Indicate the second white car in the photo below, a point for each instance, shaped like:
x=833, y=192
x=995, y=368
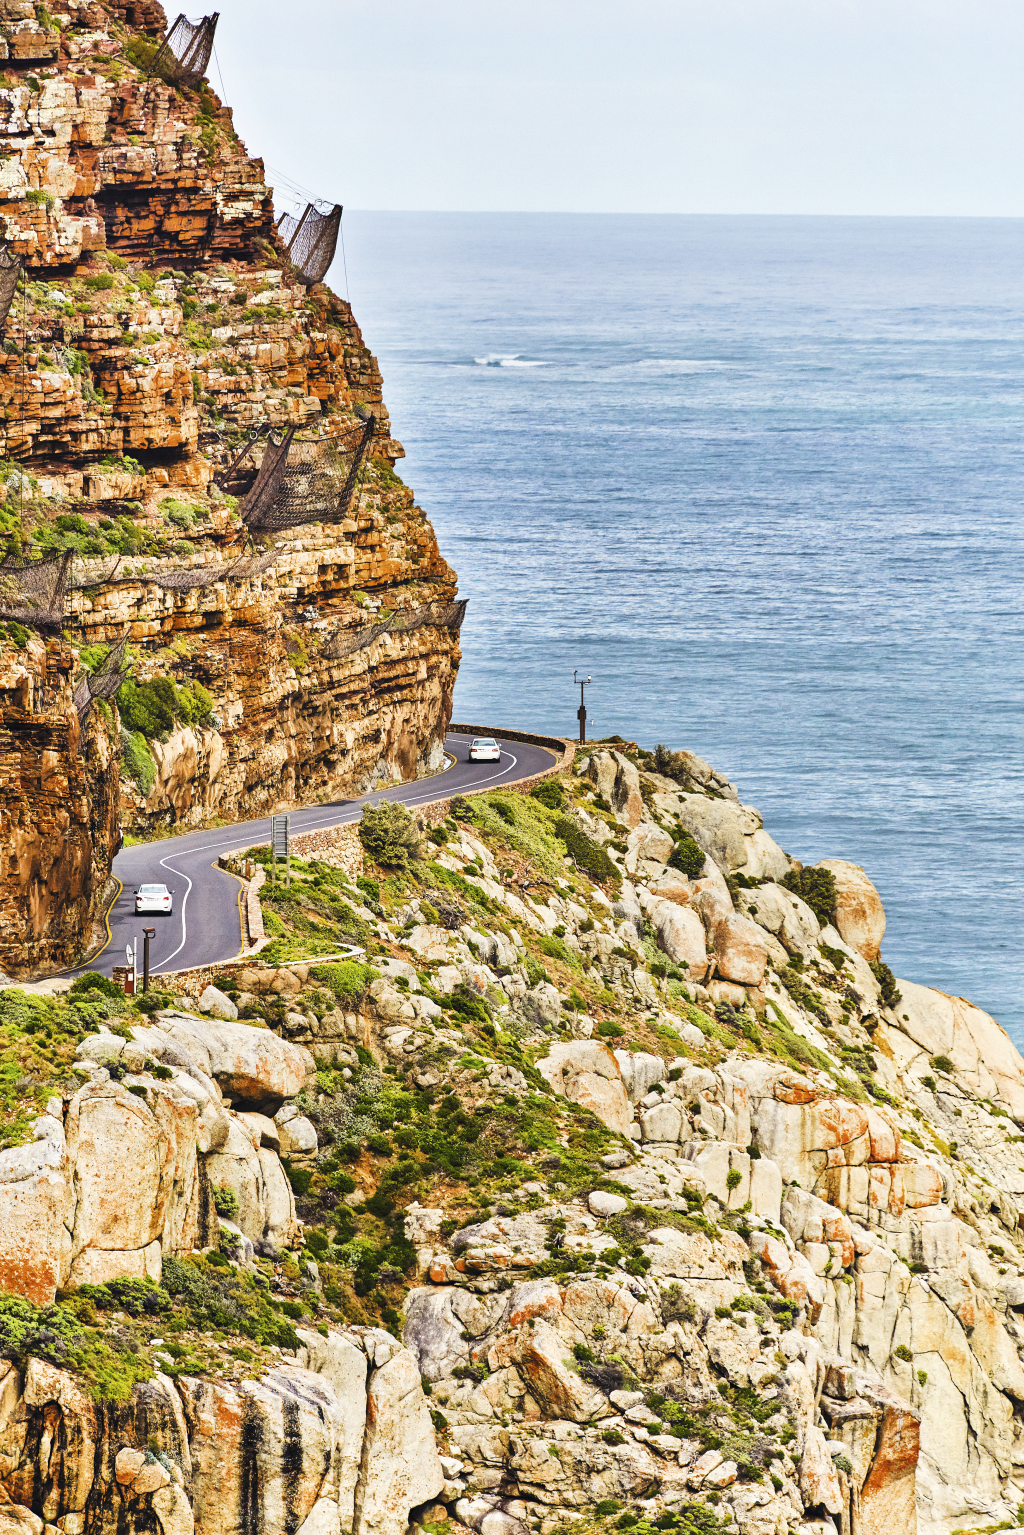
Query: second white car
x=485, y=749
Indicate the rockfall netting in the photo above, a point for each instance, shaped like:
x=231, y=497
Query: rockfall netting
x=10, y=271
x=315, y=482
x=104, y=682
x=311, y=240
x=34, y=592
x=441, y=615
x=266, y=488
x=208, y=575
x=184, y=54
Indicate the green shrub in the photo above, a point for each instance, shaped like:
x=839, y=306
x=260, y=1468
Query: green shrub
x=388, y=834
x=300, y=1178
x=586, y=853
x=890, y=992
x=348, y=980
x=816, y=888
x=100, y=282
x=733, y=1178
x=903, y=1353
x=93, y=981
x=180, y=513
x=942, y=1063
x=687, y=856
x=225, y=1202
x=610, y=1028
x=151, y=708
x=72, y=522
x=137, y=760
x=550, y=793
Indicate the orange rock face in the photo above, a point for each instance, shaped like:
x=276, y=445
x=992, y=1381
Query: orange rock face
x=162, y=321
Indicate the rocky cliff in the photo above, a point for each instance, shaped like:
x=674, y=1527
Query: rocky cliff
x=689, y=1215
x=161, y=322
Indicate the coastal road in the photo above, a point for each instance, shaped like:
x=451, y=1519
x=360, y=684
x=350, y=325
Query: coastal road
x=205, y=927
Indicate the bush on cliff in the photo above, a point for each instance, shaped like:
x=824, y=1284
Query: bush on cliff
x=151, y=708
x=890, y=992
x=817, y=888
x=584, y=851
x=137, y=760
x=687, y=856
x=388, y=834
x=347, y=980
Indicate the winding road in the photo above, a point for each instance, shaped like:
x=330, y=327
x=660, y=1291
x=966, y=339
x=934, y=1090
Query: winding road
x=206, y=927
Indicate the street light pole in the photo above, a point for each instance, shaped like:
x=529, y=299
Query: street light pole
x=147, y=934
x=581, y=712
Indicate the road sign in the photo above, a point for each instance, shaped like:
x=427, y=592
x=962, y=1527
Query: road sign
x=279, y=845
x=129, y=955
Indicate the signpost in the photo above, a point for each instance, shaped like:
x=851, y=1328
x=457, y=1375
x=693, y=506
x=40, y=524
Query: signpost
x=279, y=846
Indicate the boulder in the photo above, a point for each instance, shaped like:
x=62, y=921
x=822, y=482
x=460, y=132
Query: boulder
x=269, y=1441
x=543, y=1006
x=400, y=1465
x=720, y=828
x=984, y=1057
x=765, y=859
x=253, y=1067
x=672, y=886
x=604, y=1204
x=35, y=1198
x=860, y=916
x=780, y=912
x=342, y=1363
x=215, y=1002
x=136, y=1179
x=647, y=843
x=587, y=1073
x=639, y=1071
x=742, y=955
x=266, y=1206
x=297, y=1135
x=681, y=936
x=618, y=780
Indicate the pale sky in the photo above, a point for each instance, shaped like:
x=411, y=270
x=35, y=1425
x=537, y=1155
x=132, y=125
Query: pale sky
x=654, y=106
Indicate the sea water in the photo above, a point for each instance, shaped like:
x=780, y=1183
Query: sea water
x=762, y=479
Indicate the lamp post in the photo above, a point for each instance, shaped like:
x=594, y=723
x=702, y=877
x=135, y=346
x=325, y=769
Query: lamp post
x=581, y=712
x=147, y=934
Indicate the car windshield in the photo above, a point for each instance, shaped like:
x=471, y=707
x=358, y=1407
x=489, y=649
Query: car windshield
x=152, y=889
x=484, y=741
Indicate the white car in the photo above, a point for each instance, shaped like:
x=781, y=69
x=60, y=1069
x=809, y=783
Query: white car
x=154, y=898
x=485, y=749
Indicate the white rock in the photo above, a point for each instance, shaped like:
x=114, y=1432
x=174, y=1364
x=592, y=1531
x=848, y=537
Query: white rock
x=605, y=1204
x=215, y=1002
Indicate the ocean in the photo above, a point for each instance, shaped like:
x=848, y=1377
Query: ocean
x=762, y=478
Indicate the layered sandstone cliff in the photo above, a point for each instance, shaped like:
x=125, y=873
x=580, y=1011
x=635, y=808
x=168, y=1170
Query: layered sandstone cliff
x=160, y=323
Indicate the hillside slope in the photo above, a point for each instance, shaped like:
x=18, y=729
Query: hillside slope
x=690, y=1215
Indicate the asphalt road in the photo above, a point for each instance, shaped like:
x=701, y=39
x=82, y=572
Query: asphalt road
x=205, y=927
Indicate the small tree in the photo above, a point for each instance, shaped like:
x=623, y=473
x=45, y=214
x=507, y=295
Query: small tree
x=389, y=834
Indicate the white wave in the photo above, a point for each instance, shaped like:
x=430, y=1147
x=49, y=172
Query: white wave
x=508, y=360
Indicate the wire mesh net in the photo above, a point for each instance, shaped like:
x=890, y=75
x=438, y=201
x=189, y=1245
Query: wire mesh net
x=440, y=615
x=311, y=240
x=318, y=483
x=266, y=488
x=184, y=54
x=10, y=271
x=34, y=592
x=208, y=575
x=105, y=681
